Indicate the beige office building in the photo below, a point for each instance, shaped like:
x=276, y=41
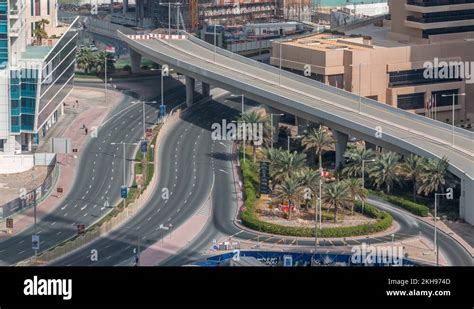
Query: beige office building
x=387, y=61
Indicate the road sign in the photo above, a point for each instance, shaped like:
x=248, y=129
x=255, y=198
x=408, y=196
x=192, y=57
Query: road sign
x=287, y=261
x=149, y=132
x=264, y=178
x=81, y=229
x=162, y=110
x=123, y=192
x=35, y=242
x=9, y=223
x=144, y=146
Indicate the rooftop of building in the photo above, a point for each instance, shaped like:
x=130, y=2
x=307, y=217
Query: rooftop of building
x=360, y=38
x=329, y=41
x=378, y=34
x=36, y=52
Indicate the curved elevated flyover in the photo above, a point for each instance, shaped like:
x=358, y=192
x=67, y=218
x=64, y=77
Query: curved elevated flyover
x=377, y=123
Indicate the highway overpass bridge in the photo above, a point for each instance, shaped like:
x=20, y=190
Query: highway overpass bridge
x=307, y=99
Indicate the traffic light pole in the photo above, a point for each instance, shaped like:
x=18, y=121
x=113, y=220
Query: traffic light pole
x=34, y=211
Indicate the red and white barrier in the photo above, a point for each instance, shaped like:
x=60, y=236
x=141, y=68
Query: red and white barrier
x=157, y=36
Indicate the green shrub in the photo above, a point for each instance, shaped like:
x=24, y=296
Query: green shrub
x=127, y=68
x=250, y=219
x=414, y=208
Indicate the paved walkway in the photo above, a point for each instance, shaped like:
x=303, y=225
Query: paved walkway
x=91, y=112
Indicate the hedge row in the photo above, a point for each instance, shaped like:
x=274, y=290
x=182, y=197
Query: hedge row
x=250, y=219
x=414, y=208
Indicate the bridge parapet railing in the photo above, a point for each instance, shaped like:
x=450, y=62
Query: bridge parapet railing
x=327, y=88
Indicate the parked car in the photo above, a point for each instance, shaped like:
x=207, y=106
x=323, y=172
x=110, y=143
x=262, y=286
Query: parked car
x=93, y=48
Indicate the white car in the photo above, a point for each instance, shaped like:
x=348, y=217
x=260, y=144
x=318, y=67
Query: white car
x=93, y=48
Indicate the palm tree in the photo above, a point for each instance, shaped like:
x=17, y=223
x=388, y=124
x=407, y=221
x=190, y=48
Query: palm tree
x=286, y=164
x=255, y=119
x=385, y=170
x=335, y=195
x=100, y=62
x=42, y=23
x=434, y=176
x=412, y=168
x=354, y=158
x=40, y=34
x=289, y=190
x=318, y=140
x=85, y=59
x=356, y=191
x=309, y=179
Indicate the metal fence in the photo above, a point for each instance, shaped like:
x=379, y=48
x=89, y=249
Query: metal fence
x=27, y=199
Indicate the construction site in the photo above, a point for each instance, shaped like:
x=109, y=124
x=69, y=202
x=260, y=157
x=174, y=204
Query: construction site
x=195, y=14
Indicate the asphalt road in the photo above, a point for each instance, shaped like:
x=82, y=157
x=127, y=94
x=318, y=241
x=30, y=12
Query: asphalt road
x=186, y=167
x=99, y=179
x=224, y=209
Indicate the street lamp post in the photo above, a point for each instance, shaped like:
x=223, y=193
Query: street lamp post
x=169, y=4
x=363, y=179
x=124, y=166
x=279, y=76
x=215, y=41
x=242, y=116
x=289, y=137
x=144, y=122
x=454, y=95
x=435, y=220
x=360, y=85
x=271, y=123
x=106, y=59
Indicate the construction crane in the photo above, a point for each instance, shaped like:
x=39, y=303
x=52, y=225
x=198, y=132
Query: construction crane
x=194, y=15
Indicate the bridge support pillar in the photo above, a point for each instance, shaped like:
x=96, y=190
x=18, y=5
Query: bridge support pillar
x=125, y=6
x=341, y=145
x=206, y=89
x=135, y=59
x=189, y=91
x=466, y=205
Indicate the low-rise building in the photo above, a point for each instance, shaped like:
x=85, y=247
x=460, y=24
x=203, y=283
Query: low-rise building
x=390, y=62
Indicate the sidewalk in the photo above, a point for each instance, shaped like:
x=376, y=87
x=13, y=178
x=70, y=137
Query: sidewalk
x=91, y=112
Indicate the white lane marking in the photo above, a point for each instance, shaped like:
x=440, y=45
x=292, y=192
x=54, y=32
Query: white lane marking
x=85, y=214
x=21, y=252
x=53, y=223
x=65, y=214
x=221, y=170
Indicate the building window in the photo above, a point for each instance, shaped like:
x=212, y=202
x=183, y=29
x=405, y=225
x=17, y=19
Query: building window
x=37, y=8
x=446, y=100
x=47, y=7
x=2, y=145
x=411, y=101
